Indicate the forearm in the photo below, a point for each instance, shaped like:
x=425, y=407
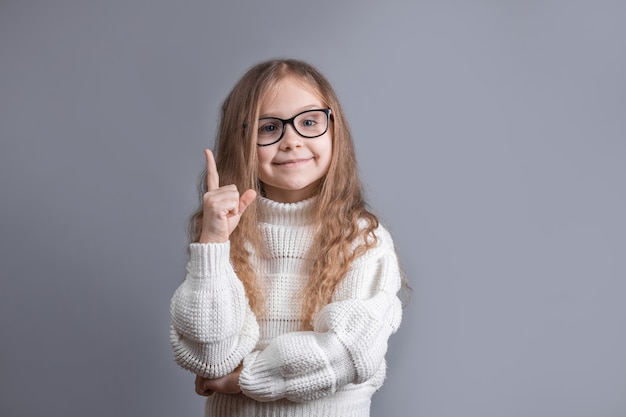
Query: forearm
x=302, y=366
x=348, y=344
x=212, y=326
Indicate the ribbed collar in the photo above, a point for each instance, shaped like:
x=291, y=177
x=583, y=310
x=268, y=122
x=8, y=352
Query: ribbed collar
x=285, y=214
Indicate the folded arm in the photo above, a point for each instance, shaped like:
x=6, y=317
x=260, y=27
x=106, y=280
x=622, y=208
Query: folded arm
x=349, y=340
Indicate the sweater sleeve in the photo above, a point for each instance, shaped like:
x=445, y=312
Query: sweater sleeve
x=348, y=342
x=212, y=326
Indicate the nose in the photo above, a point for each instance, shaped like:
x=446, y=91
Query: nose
x=291, y=139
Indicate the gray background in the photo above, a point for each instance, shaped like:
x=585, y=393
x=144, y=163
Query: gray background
x=491, y=140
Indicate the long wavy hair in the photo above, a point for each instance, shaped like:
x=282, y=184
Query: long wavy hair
x=340, y=214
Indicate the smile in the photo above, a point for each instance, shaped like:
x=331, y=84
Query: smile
x=293, y=162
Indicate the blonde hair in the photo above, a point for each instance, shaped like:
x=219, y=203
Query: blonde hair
x=341, y=216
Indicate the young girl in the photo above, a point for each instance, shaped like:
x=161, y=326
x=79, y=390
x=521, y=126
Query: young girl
x=292, y=285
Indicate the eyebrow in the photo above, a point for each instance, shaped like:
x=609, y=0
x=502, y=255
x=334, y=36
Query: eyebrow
x=305, y=108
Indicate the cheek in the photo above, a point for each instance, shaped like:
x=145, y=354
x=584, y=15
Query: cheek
x=325, y=151
x=264, y=159
x=263, y=156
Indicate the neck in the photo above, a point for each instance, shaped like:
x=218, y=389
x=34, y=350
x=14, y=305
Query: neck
x=273, y=212
x=290, y=196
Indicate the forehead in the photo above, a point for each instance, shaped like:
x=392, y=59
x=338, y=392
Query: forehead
x=289, y=95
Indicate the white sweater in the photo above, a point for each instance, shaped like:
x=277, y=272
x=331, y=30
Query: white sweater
x=330, y=371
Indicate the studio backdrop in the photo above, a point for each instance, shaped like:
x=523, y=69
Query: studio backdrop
x=491, y=140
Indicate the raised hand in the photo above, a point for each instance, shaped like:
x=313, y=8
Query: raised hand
x=222, y=207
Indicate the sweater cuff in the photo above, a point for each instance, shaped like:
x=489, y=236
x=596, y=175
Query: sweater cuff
x=299, y=366
x=209, y=259
x=260, y=377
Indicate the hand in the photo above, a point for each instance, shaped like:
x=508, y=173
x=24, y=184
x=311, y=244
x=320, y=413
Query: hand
x=228, y=384
x=222, y=207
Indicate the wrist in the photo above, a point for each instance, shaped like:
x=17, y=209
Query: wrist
x=212, y=238
x=209, y=259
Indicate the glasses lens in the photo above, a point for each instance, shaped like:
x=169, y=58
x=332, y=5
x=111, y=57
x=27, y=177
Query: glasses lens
x=269, y=131
x=311, y=123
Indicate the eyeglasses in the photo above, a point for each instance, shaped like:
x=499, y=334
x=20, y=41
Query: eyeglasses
x=308, y=124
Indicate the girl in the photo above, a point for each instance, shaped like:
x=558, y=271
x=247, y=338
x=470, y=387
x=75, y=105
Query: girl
x=292, y=285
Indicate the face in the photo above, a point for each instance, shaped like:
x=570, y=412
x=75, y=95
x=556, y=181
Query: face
x=292, y=169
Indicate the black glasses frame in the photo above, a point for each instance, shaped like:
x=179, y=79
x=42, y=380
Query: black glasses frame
x=291, y=121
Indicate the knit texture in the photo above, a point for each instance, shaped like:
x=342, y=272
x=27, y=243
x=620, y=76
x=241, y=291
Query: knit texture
x=330, y=371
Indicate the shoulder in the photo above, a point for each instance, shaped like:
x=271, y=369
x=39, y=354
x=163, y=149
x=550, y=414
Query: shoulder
x=383, y=236
x=379, y=241
x=374, y=271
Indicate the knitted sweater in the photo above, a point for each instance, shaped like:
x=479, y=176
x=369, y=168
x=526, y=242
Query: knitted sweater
x=330, y=371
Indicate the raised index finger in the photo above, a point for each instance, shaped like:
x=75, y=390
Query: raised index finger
x=212, y=177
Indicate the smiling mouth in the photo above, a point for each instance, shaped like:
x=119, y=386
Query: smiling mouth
x=293, y=162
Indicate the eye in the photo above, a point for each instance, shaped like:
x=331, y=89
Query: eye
x=309, y=123
x=268, y=127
